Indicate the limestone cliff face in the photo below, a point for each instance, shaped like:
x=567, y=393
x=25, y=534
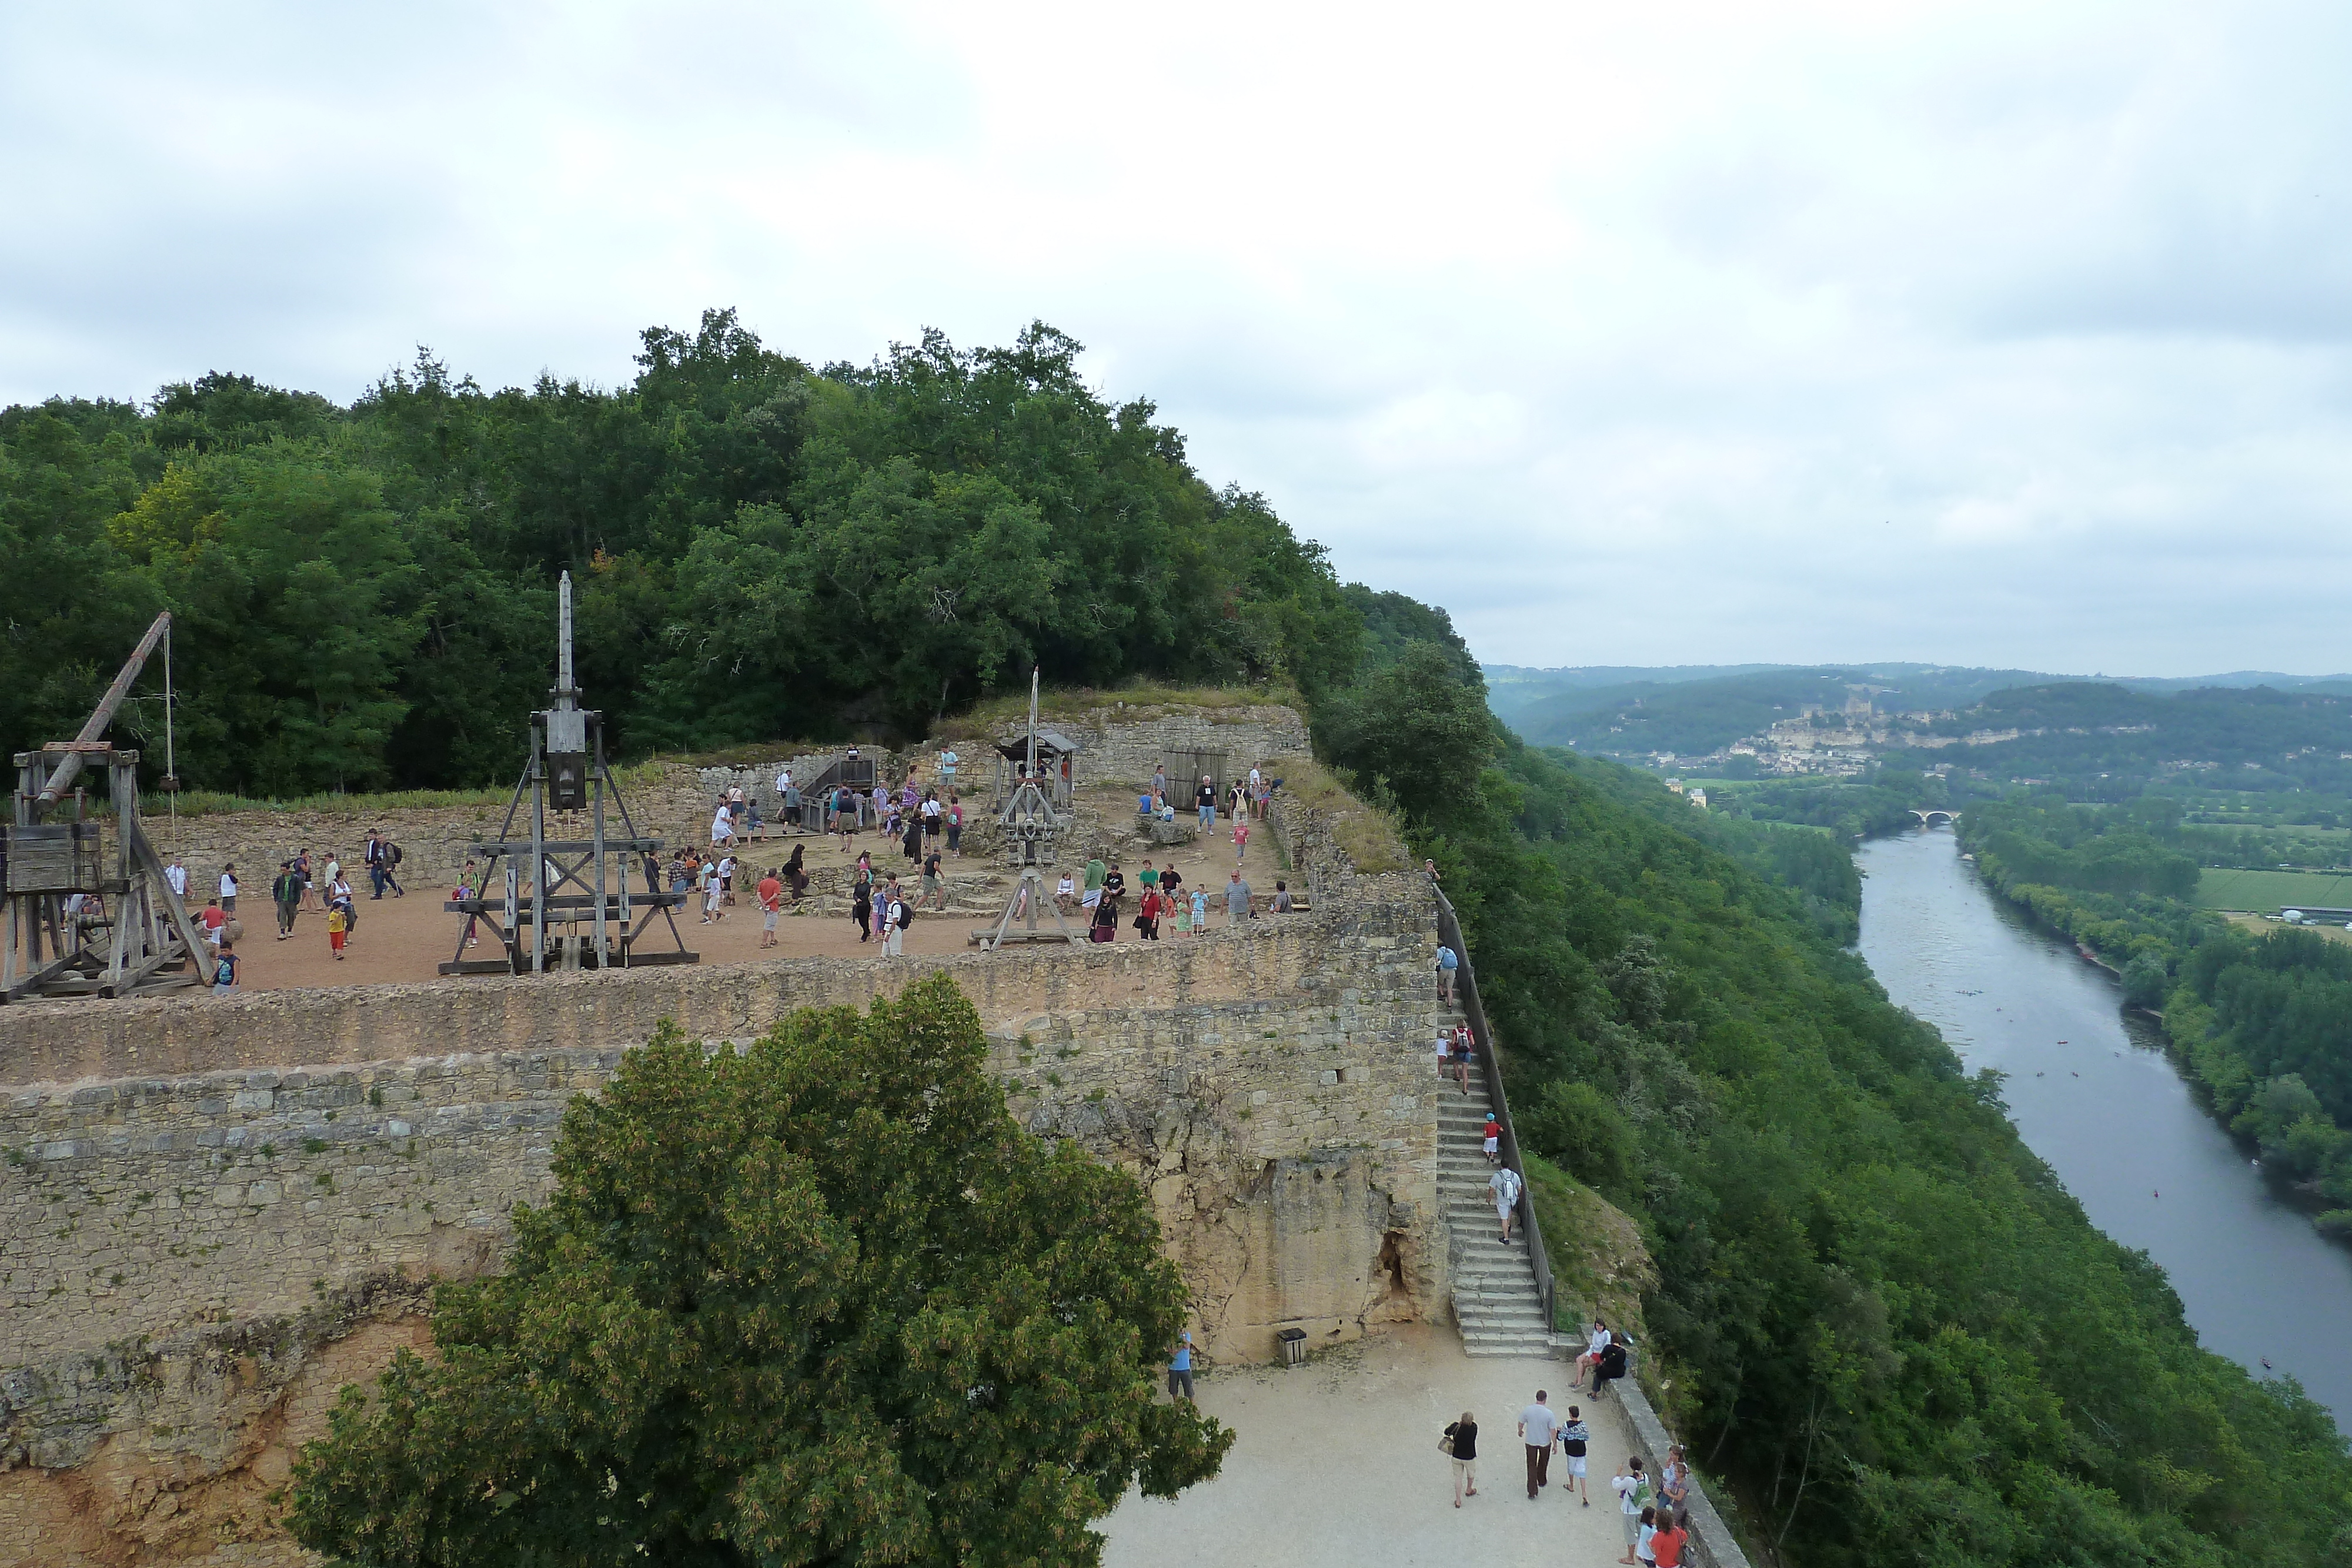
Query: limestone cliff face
x=215, y=1213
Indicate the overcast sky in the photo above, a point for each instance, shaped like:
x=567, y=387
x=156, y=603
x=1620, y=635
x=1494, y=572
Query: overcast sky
x=2009, y=334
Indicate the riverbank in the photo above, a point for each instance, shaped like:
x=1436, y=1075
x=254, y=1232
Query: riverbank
x=2252, y=1088
x=2095, y=1092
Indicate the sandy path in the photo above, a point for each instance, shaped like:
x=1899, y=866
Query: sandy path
x=1337, y=1467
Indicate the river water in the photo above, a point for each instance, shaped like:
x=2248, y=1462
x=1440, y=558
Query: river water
x=2094, y=1094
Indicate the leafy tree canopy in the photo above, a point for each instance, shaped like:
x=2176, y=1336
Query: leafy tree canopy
x=818, y=1302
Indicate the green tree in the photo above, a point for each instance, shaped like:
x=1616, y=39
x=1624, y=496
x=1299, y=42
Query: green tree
x=1416, y=729
x=818, y=1302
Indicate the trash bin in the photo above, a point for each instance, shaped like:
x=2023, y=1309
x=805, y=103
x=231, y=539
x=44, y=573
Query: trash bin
x=1294, y=1346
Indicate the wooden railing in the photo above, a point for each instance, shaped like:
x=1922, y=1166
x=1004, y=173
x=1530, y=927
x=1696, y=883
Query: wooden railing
x=1481, y=1035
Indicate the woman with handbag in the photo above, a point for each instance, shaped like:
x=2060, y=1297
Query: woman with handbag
x=1461, y=1441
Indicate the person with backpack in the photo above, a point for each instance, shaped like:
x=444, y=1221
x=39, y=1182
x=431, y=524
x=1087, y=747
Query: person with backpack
x=897, y=915
x=1634, y=1495
x=1575, y=1438
x=1506, y=1184
x=1448, y=961
x=379, y=869
x=1461, y=1441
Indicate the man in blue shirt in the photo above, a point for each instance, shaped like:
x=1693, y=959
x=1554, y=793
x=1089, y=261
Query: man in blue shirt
x=1180, y=1367
x=1447, y=962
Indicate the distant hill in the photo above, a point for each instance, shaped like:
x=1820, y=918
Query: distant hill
x=1628, y=711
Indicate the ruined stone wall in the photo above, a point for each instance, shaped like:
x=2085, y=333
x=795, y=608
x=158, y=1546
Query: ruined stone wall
x=1122, y=743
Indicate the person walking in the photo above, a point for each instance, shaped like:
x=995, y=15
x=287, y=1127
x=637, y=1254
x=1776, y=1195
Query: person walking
x=896, y=916
x=955, y=826
x=176, y=875
x=1241, y=838
x=714, y=894
x=1237, y=898
x=1505, y=1185
x=228, y=888
x=1179, y=1368
x=338, y=931
x=372, y=856
x=722, y=827
x=1462, y=1442
x=861, y=903
x=1538, y=1428
x=796, y=872
x=772, y=905
x=935, y=883
x=1491, y=1139
x=1447, y=962
x=469, y=884
x=286, y=894
x=1465, y=1048
x=1632, y=1489
x=1575, y=1438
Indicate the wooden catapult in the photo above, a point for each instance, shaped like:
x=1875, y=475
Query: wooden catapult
x=567, y=772
x=74, y=925
x=1031, y=828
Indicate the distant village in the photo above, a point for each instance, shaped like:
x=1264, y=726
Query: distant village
x=1822, y=741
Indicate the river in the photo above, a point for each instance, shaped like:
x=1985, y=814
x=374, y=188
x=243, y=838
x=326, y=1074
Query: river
x=2093, y=1093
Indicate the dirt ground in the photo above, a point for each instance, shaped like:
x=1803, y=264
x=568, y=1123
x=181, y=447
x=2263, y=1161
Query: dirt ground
x=1336, y=1465
x=401, y=939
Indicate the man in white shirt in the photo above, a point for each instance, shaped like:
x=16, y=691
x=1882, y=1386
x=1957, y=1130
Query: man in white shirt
x=228, y=888
x=1538, y=1427
x=177, y=875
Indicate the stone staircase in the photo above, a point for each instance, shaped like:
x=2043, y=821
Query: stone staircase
x=1494, y=1298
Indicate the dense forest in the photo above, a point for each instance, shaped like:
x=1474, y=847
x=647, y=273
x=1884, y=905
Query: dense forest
x=1888, y=1328
x=2263, y=1021
x=365, y=596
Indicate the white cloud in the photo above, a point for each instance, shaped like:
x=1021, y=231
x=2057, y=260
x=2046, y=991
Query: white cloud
x=2008, y=333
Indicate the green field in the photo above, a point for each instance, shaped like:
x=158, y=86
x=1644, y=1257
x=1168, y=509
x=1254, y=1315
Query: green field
x=2266, y=891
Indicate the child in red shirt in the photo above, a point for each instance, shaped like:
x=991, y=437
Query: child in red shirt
x=1494, y=1136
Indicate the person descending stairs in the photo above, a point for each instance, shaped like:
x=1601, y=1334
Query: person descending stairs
x=1496, y=1302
